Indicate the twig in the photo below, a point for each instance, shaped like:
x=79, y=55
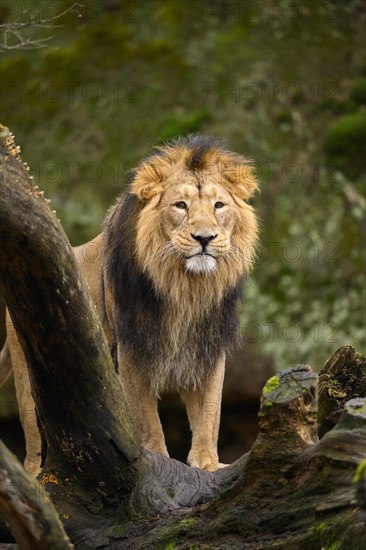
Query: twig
x=11, y=32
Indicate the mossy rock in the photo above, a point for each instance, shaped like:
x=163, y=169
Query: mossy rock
x=345, y=144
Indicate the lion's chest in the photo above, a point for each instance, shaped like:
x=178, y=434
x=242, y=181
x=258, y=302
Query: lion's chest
x=185, y=357
x=175, y=348
x=176, y=353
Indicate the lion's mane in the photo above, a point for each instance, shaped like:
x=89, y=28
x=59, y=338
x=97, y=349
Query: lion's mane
x=170, y=324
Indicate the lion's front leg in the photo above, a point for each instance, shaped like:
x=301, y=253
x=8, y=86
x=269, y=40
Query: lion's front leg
x=143, y=405
x=203, y=409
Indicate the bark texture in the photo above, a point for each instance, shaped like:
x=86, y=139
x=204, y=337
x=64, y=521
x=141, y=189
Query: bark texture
x=342, y=378
x=28, y=509
x=290, y=491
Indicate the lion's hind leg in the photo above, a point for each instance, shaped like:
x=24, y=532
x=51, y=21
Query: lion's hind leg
x=27, y=410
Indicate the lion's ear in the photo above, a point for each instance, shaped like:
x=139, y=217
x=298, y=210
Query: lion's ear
x=149, y=178
x=240, y=180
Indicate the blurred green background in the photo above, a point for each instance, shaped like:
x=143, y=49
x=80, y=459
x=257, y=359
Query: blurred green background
x=284, y=83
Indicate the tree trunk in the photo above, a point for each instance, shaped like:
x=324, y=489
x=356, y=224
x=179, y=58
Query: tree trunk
x=290, y=491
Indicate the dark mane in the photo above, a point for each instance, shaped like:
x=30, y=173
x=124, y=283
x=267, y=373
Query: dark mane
x=130, y=287
x=199, y=146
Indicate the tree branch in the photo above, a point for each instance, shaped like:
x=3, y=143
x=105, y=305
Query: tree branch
x=27, y=508
x=79, y=401
x=13, y=39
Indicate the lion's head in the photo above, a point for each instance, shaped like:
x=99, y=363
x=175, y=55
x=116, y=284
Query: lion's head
x=195, y=222
x=176, y=247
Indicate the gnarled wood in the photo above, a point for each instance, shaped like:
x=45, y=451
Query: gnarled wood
x=61, y=337
x=28, y=509
x=342, y=378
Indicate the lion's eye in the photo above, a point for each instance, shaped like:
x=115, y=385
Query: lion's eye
x=181, y=204
x=219, y=204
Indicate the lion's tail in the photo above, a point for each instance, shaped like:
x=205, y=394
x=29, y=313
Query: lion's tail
x=5, y=364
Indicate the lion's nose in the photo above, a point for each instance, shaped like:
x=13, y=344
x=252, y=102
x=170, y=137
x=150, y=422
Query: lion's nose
x=204, y=239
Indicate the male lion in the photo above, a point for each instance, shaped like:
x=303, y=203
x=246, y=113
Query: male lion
x=166, y=276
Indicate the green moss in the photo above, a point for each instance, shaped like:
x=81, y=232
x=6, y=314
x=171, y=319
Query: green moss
x=332, y=546
x=316, y=533
x=118, y=531
x=167, y=535
x=324, y=536
x=271, y=385
x=187, y=522
x=360, y=474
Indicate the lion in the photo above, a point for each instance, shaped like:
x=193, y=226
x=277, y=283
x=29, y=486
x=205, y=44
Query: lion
x=166, y=275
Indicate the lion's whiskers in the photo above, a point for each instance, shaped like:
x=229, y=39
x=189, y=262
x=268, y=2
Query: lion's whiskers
x=164, y=251
x=168, y=250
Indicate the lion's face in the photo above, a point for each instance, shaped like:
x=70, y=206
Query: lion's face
x=198, y=216
x=195, y=232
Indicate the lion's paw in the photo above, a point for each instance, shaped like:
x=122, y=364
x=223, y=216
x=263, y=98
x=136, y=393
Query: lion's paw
x=205, y=461
x=221, y=465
